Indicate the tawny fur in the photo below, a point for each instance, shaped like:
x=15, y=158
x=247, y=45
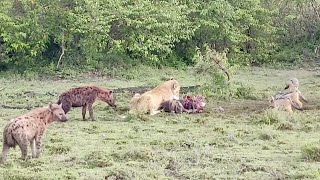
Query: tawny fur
x=293, y=92
x=150, y=101
x=294, y=95
x=284, y=103
x=85, y=97
x=29, y=129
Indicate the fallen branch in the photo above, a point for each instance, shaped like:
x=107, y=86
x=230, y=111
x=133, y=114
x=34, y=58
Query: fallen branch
x=222, y=67
x=62, y=51
x=16, y=107
x=224, y=70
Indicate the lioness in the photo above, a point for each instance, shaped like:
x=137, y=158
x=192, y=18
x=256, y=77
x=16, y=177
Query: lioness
x=150, y=101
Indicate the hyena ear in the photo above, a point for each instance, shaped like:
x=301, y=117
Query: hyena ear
x=110, y=91
x=171, y=78
x=51, y=107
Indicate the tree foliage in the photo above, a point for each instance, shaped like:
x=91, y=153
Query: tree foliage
x=41, y=32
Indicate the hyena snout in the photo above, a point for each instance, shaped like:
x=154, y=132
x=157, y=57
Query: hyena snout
x=111, y=103
x=62, y=117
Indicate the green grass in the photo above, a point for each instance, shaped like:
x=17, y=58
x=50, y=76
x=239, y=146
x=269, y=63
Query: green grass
x=247, y=141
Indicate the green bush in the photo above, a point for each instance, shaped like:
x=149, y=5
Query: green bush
x=311, y=152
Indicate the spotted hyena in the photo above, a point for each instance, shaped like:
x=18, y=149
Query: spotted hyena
x=85, y=97
x=29, y=129
x=173, y=106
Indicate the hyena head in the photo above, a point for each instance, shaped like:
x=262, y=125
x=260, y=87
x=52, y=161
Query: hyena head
x=177, y=106
x=107, y=96
x=58, y=112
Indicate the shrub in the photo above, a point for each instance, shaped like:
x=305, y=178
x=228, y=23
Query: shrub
x=311, y=152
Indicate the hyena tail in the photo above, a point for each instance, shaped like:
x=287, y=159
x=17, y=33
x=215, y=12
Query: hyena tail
x=8, y=139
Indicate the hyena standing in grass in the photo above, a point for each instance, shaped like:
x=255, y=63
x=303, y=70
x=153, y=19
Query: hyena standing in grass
x=29, y=129
x=85, y=97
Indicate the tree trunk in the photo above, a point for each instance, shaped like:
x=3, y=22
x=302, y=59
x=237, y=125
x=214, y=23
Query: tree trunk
x=62, y=51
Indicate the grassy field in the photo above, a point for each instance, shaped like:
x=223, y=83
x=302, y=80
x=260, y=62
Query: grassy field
x=247, y=141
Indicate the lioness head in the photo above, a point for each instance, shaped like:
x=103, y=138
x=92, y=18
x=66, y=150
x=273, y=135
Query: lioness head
x=58, y=112
x=107, y=96
x=175, y=88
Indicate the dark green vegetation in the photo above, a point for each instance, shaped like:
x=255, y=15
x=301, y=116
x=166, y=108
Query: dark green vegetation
x=247, y=141
x=90, y=34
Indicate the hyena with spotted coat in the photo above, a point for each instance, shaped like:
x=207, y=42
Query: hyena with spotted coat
x=29, y=129
x=85, y=97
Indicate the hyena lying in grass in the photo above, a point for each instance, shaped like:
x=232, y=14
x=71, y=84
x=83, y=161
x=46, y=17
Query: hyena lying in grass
x=189, y=104
x=29, y=129
x=85, y=97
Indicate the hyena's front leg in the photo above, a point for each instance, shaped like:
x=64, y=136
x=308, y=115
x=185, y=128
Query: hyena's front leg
x=84, y=110
x=38, y=141
x=66, y=106
x=33, y=148
x=5, y=151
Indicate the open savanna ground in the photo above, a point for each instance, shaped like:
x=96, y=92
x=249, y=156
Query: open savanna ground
x=246, y=141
